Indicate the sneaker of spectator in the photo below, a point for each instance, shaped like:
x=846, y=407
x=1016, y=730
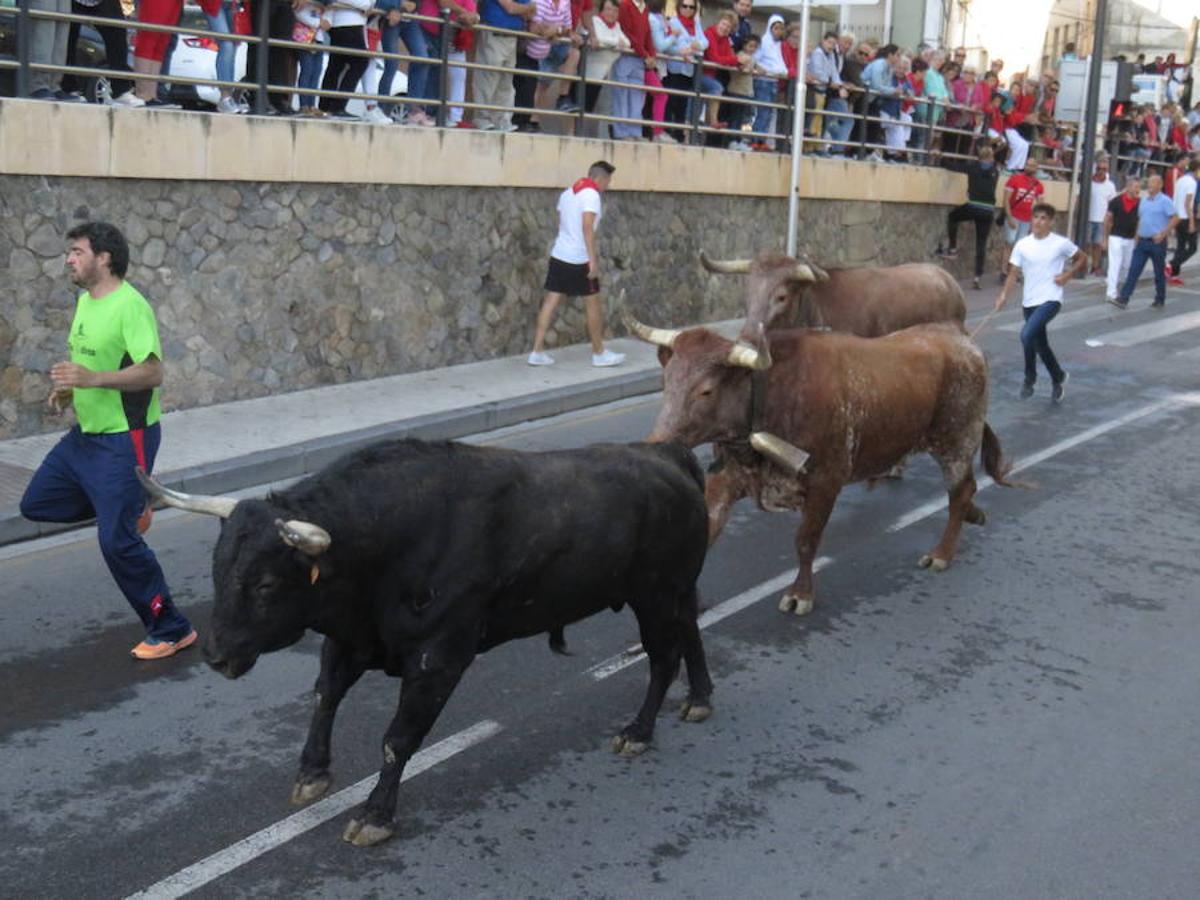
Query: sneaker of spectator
x=129, y=100
x=376, y=116
x=228, y=105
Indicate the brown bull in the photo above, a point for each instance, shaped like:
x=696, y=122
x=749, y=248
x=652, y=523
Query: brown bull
x=857, y=406
x=784, y=292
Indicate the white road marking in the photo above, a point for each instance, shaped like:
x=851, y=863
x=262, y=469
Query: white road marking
x=247, y=849
x=1175, y=400
x=1139, y=334
x=724, y=610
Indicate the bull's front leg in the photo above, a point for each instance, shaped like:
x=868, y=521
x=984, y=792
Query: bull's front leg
x=428, y=680
x=720, y=493
x=339, y=672
x=818, y=504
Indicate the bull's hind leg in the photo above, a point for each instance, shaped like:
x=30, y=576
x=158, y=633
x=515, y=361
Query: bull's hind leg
x=698, y=705
x=339, y=672
x=663, y=642
x=818, y=504
x=960, y=510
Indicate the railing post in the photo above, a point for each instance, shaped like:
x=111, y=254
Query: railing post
x=866, y=126
x=695, y=137
x=930, y=115
x=581, y=89
x=23, y=41
x=444, y=74
x=263, y=8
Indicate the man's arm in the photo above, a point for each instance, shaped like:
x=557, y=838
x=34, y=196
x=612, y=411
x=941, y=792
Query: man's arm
x=1074, y=264
x=1108, y=222
x=589, y=240
x=141, y=377
x=1162, y=235
x=1013, y=271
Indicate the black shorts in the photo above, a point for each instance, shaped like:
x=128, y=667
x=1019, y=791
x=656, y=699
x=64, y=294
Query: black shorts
x=570, y=279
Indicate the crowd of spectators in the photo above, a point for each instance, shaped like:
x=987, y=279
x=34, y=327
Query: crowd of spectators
x=884, y=102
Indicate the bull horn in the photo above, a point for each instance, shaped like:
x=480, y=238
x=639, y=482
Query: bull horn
x=725, y=266
x=777, y=450
x=820, y=273
x=309, y=539
x=664, y=337
x=748, y=357
x=197, y=503
x=803, y=272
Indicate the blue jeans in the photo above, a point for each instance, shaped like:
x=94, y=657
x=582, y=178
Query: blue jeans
x=1035, y=342
x=837, y=128
x=416, y=40
x=92, y=476
x=433, y=76
x=226, y=50
x=1145, y=249
x=310, y=75
x=765, y=90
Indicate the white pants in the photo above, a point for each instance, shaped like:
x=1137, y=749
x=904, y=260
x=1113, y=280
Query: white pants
x=896, y=135
x=458, y=86
x=1119, y=251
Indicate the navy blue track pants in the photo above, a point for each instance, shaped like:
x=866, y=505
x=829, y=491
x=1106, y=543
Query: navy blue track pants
x=92, y=476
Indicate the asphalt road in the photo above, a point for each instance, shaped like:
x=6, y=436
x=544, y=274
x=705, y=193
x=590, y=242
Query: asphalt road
x=1022, y=725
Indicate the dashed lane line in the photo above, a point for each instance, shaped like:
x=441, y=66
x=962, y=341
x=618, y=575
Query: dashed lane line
x=224, y=861
x=1148, y=331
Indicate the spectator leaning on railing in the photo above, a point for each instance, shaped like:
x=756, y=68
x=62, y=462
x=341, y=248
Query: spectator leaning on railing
x=48, y=46
x=769, y=62
x=655, y=107
x=310, y=28
x=347, y=28
x=720, y=51
x=741, y=86
x=605, y=44
x=823, y=81
x=627, y=102
x=116, y=44
x=552, y=21
x=491, y=49
x=690, y=43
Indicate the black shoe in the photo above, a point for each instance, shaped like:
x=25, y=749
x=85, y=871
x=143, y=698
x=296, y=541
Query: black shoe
x=567, y=105
x=1059, y=388
x=530, y=128
x=161, y=104
x=1027, y=390
x=1119, y=304
x=68, y=97
x=1158, y=306
x=42, y=94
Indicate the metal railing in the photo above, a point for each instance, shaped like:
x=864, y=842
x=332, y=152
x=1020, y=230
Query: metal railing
x=932, y=141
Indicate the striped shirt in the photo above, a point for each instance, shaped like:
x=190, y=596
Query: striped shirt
x=548, y=12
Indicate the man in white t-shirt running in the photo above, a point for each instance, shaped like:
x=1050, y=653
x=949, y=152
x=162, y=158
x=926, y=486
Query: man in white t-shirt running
x=575, y=266
x=1048, y=262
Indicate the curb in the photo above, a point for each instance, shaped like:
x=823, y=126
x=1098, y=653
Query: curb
x=295, y=460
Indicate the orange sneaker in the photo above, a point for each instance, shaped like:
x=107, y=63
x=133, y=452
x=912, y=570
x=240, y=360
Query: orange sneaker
x=153, y=648
x=145, y=519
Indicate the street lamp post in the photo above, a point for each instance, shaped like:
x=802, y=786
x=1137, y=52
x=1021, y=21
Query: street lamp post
x=1085, y=150
x=798, y=133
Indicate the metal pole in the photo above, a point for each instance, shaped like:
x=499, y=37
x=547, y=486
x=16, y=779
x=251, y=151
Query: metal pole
x=798, y=133
x=694, y=135
x=263, y=9
x=1086, y=144
x=581, y=87
x=444, y=73
x=24, y=35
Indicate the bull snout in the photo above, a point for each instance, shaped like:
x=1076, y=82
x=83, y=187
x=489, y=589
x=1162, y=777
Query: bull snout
x=229, y=666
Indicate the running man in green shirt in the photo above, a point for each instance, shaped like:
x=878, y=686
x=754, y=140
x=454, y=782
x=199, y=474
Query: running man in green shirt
x=112, y=380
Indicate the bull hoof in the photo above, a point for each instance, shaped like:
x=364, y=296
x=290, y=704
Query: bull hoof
x=310, y=788
x=976, y=516
x=629, y=747
x=364, y=834
x=695, y=711
x=933, y=563
x=801, y=606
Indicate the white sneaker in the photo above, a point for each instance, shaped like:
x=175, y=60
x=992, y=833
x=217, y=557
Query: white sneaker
x=129, y=100
x=607, y=358
x=228, y=105
x=377, y=116
x=538, y=358
x=483, y=125
x=506, y=127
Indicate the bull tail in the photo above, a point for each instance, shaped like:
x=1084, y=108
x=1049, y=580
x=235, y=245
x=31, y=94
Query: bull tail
x=993, y=459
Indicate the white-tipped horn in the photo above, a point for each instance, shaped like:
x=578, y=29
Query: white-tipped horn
x=725, y=266
x=310, y=539
x=747, y=357
x=664, y=337
x=787, y=456
x=802, y=272
x=197, y=503
x=820, y=273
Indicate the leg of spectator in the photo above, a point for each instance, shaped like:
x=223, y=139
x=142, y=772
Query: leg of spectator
x=958, y=214
x=433, y=81
x=627, y=102
x=1118, y=253
x=1185, y=246
x=338, y=65
x=458, y=87
x=764, y=92
x=983, y=228
x=1158, y=258
x=413, y=36
x=524, y=89
x=116, y=45
x=70, y=82
x=310, y=78
x=1136, y=263
x=389, y=42
x=658, y=103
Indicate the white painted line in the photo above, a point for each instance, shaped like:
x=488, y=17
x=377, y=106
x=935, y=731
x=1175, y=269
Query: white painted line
x=1140, y=334
x=1091, y=313
x=1188, y=353
x=724, y=610
x=1175, y=400
x=247, y=849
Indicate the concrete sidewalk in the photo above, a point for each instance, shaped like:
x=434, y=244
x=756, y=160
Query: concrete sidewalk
x=222, y=448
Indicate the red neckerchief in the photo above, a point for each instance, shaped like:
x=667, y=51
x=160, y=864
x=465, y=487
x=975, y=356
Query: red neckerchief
x=1128, y=203
x=583, y=184
x=689, y=25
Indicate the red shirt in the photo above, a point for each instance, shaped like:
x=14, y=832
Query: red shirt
x=720, y=50
x=791, y=58
x=1026, y=190
x=578, y=8
x=635, y=24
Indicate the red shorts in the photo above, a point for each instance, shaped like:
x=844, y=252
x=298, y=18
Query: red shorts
x=152, y=45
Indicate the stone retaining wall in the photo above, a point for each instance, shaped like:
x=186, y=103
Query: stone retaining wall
x=263, y=288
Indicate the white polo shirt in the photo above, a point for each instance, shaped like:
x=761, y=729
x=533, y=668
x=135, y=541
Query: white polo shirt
x=569, y=246
x=1040, y=261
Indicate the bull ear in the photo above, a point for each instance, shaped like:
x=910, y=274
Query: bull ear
x=664, y=356
x=309, y=539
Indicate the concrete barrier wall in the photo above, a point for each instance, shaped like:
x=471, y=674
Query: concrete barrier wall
x=274, y=279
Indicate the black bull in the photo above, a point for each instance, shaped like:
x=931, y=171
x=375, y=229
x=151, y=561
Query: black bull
x=413, y=557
